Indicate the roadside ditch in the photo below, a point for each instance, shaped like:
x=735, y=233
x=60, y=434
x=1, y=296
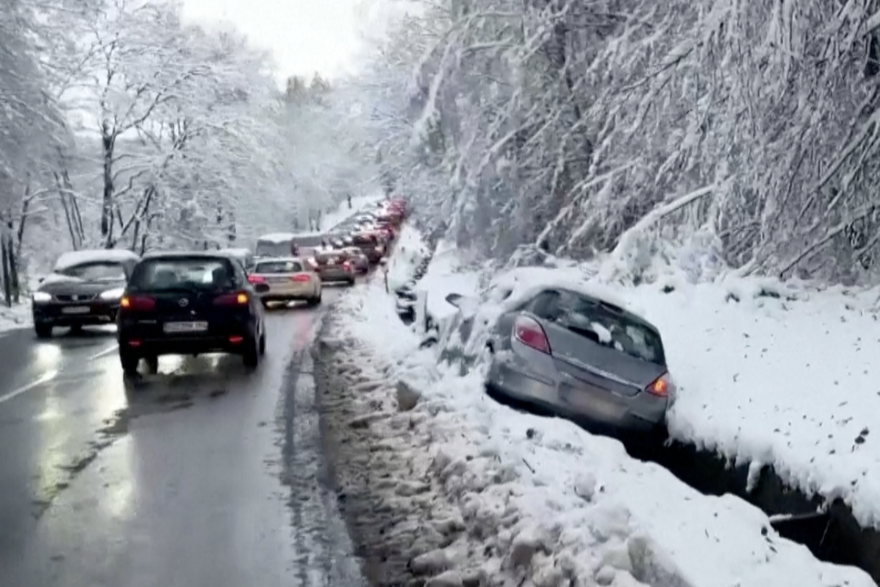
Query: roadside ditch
x=828, y=530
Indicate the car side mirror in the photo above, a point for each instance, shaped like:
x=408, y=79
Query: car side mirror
x=454, y=299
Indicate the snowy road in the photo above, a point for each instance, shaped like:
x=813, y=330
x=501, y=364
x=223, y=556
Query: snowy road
x=200, y=475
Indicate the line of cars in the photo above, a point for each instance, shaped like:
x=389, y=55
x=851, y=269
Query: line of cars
x=195, y=302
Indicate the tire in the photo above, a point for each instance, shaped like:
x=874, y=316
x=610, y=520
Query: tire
x=43, y=330
x=316, y=300
x=130, y=363
x=76, y=329
x=263, y=343
x=251, y=355
x=152, y=364
x=351, y=282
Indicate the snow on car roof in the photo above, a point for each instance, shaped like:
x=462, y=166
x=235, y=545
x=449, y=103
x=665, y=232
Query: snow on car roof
x=73, y=258
x=279, y=260
x=283, y=237
x=234, y=251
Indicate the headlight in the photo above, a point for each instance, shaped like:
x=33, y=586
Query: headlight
x=112, y=294
x=41, y=297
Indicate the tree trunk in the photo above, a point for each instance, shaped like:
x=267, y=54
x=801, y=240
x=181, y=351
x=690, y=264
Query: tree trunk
x=107, y=141
x=6, y=275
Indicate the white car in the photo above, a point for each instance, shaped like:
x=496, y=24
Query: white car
x=285, y=279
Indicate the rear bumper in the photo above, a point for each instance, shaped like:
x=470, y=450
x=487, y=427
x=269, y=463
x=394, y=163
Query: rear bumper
x=337, y=275
x=635, y=414
x=189, y=346
x=99, y=313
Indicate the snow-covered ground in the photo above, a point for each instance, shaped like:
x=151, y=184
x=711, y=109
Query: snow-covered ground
x=18, y=316
x=343, y=212
x=767, y=373
x=568, y=503
x=409, y=251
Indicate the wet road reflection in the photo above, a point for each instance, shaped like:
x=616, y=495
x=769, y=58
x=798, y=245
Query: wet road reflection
x=168, y=480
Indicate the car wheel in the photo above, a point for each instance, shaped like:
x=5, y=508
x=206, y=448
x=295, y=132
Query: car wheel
x=251, y=356
x=43, y=330
x=129, y=363
x=152, y=364
x=263, y=343
x=76, y=329
x=351, y=282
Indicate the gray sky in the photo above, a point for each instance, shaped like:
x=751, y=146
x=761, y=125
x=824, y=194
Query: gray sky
x=304, y=35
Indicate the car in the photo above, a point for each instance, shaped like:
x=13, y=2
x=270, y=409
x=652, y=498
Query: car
x=334, y=266
x=282, y=244
x=242, y=255
x=83, y=289
x=189, y=303
x=285, y=279
x=574, y=354
x=358, y=259
x=371, y=243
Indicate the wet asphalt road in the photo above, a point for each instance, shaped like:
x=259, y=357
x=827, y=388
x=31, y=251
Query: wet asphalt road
x=200, y=475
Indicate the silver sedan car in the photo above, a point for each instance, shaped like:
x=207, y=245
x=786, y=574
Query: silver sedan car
x=579, y=357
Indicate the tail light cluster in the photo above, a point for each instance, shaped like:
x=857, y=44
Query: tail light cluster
x=232, y=299
x=527, y=331
x=137, y=303
x=346, y=265
x=255, y=279
x=661, y=387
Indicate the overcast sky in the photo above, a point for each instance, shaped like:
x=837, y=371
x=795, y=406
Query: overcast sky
x=304, y=36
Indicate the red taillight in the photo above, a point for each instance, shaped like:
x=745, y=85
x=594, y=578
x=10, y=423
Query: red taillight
x=527, y=331
x=134, y=343
x=346, y=266
x=137, y=303
x=255, y=279
x=233, y=299
x=236, y=339
x=300, y=277
x=660, y=386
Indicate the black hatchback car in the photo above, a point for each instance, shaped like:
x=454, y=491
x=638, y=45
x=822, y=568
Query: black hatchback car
x=83, y=290
x=189, y=303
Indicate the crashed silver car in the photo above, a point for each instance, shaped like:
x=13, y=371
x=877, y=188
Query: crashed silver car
x=565, y=351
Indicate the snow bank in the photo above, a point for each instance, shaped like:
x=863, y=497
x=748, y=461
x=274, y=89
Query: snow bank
x=767, y=373
x=18, y=316
x=569, y=503
x=409, y=251
x=447, y=274
x=72, y=258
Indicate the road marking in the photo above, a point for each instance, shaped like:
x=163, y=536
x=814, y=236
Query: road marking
x=111, y=349
x=47, y=377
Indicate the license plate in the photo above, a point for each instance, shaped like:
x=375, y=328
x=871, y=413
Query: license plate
x=76, y=310
x=186, y=326
x=591, y=403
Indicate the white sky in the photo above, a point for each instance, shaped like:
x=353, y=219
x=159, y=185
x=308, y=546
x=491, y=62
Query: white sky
x=304, y=36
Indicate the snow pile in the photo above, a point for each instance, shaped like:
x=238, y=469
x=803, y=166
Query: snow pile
x=767, y=373
x=73, y=258
x=447, y=274
x=18, y=316
x=409, y=252
x=553, y=502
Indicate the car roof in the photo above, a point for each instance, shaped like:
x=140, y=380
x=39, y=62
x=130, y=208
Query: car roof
x=73, y=258
x=279, y=260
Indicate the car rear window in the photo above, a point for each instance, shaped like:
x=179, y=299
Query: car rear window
x=279, y=267
x=95, y=271
x=602, y=323
x=336, y=256
x=196, y=273
x=272, y=248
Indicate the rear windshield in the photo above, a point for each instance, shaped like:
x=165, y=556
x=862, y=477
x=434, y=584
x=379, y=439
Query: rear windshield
x=189, y=273
x=337, y=256
x=96, y=271
x=601, y=323
x=279, y=267
x=364, y=239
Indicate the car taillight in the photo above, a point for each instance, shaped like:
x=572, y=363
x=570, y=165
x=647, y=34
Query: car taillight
x=137, y=303
x=527, y=331
x=347, y=266
x=660, y=386
x=233, y=299
x=255, y=279
x=300, y=278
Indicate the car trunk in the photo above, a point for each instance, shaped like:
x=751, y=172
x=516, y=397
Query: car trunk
x=577, y=355
x=181, y=313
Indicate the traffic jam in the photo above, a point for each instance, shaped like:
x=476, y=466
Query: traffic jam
x=192, y=302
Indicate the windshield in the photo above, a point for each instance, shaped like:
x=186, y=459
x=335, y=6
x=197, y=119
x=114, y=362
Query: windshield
x=279, y=267
x=183, y=273
x=97, y=271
